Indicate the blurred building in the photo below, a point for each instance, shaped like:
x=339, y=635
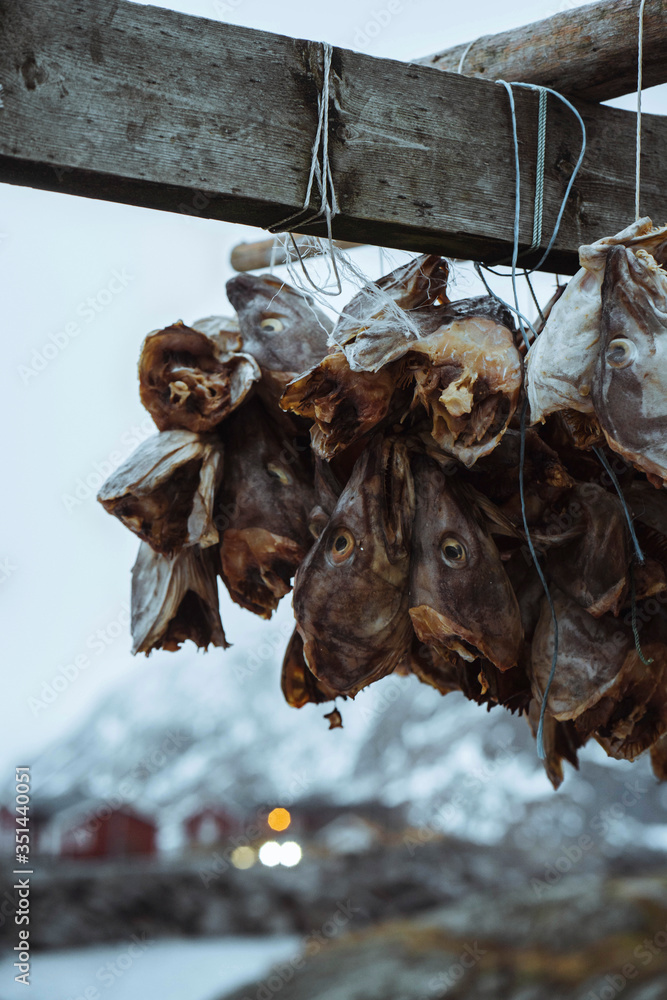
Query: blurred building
x=209, y=825
x=95, y=830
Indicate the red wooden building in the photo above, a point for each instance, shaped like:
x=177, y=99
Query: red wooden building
x=103, y=832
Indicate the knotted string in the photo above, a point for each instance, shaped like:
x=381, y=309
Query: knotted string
x=640, y=60
x=322, y=174
x=537, y=232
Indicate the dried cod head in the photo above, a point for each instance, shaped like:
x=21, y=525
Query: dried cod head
x=561, y=362
x=165, y=490
x=378, y=324
x=351, y=591
x=461, y=598
x=262, y=508
x=192, y=381
x=630, y=381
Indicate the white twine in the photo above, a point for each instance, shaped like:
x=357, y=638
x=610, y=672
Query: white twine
x=464, y=54
x=515, y=253
x=272, y=261
x=640, y=60
x=323, y=175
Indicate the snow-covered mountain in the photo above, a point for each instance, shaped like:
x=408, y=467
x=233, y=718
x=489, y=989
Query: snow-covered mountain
x=199, y=729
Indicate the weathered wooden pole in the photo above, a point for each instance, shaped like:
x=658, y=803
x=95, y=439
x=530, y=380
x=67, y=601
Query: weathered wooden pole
x=150, y=107
x=588, y=52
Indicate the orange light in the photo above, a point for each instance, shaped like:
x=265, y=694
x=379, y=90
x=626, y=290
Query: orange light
x=279, y=819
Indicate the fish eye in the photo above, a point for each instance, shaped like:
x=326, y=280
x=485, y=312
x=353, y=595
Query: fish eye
x=272, y=324
x=453, y=552
x=277, y=472
x=621, y=353
x=342, y=546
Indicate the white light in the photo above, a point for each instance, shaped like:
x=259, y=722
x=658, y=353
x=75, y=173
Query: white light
x=270, y=853
x=290, y=854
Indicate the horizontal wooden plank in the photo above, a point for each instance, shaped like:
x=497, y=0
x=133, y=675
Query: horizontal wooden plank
x=151, y=107
x=588, y=52
x=264, y=253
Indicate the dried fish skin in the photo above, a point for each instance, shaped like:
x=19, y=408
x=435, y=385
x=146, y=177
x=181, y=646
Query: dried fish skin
x=224, y=331
x=630, y=383
x=639, y=235
x=467, y=375
x=591, y=654
x=592, y=570
x=561, y=742
x=262, y=509
x=478, y=681
x=257, y=567
x=165, y=490
x=633, y=714
x=461, y=598
x=441, y=668
x=375, y=328
x=298, y=685
x=659, y=758
x=280, y=326
x=187, y=382
x=344, y=405
x=546, y=480
x=561, y=362
x=351, y=591
x=175, y=598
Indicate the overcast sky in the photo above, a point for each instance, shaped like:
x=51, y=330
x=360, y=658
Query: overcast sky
x=83, y=282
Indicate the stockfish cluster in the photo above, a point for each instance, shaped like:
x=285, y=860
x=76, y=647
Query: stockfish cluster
x=449, y=505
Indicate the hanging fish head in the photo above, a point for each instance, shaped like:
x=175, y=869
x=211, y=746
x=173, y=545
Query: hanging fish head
x=280, y=326
x=467, y=375
x=630, y=386
x=350, y=593
x=263, y=509
x=460, y=595
x=188, y=380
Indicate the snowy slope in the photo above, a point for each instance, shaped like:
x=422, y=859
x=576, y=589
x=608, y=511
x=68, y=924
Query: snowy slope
x=213, y=727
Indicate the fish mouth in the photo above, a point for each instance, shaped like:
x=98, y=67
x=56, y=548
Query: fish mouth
x=434, y=628
x=346, y=668
x=257, y=567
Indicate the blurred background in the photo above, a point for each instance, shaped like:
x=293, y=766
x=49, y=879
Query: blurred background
x=193, y=836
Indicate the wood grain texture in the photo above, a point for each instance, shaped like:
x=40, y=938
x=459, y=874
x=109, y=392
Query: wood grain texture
x=589, y=52
x=151, y=107
x=264, y=253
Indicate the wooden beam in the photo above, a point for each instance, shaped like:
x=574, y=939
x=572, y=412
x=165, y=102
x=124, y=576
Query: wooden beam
x=589, y=52
x=150, y=107
x=263, y=253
